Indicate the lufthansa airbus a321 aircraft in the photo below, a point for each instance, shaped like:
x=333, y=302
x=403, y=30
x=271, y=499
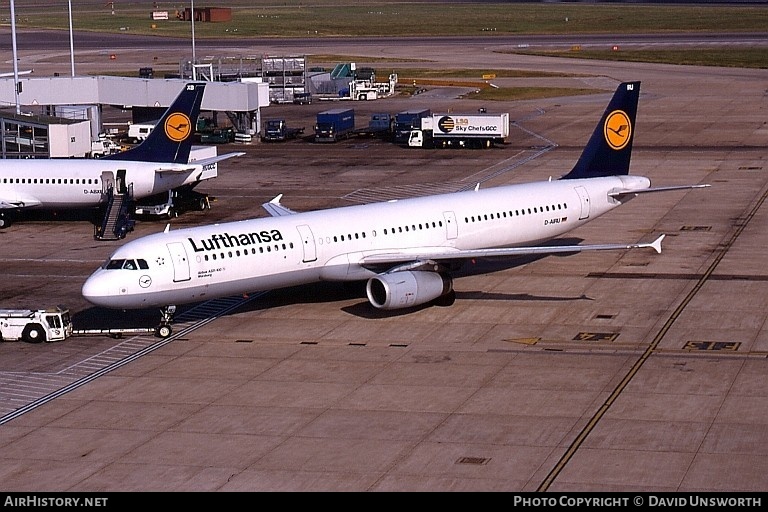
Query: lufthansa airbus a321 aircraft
x=405, y=249
x=159, y=164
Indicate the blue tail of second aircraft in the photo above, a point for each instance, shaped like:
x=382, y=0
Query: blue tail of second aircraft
x=171, y=140
x=609, y=150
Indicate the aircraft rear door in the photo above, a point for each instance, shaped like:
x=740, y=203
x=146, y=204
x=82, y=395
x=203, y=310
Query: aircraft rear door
x=584, y=199
x=451, y=226
x=180, y=261
x=307, y=243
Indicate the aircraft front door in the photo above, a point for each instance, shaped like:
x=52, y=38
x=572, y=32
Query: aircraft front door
x=107, y=182
x=584, y=199
x=180, y=261
x=307, y=243
x=451, y=226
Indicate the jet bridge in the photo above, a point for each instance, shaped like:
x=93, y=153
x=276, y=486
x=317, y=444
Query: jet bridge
x=241, y=100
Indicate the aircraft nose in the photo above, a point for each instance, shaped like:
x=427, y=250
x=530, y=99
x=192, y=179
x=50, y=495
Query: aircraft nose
x=96, y=290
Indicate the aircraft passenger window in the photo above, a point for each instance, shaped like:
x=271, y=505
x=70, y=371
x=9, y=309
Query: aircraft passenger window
x=406, y=228
x=114, y=264
x=565, y=205
x=385, y=231
x=269, y=249
x=206, y=257
x=213, y=256
x=261, y=250
x=142, y=264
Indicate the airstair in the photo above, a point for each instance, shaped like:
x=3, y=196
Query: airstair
x=117, y=220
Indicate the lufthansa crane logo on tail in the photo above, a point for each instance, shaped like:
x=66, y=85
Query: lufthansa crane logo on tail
x=178, y=127
x=617, y=129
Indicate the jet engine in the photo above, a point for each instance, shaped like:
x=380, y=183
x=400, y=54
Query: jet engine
x=407, y=288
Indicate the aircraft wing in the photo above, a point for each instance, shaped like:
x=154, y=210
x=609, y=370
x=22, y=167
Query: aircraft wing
x=275, y=209
x=447, y=253
x=18, y=202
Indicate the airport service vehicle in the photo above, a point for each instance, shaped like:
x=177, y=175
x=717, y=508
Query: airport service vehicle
x=406, y=121
x=302, y=98
x=35, y=325
x=138, y=132
x=103, y=147
x=334, y=125
x=380, y=125
x=405, y=250
x=460, y=131
x=277, y=130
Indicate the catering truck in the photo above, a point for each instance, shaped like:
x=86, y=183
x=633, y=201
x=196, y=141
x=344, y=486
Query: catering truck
x=334, y=125
x=460, y=131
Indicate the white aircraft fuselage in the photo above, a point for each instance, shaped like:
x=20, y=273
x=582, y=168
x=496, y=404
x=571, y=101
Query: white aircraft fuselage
x=348, y=243
x=405, y=250
x=82, y=183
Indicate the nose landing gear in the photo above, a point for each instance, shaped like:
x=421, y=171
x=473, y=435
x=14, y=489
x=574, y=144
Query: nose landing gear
x=164, y=329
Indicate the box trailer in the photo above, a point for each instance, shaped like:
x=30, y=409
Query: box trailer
x=334, y=125
x=461, y=131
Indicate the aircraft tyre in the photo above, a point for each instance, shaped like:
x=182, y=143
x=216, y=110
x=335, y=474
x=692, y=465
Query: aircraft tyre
x=4, y=222
x=164, y=331
x=33, y=333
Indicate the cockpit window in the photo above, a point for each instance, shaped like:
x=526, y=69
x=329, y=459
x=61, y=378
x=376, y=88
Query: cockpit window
x=114, y=264
x=126, y=264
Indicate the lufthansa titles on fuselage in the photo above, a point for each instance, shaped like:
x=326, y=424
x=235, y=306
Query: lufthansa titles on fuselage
x=219, y=241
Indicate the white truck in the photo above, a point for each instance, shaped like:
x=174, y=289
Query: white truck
x=460, y=131
x=103, y=147
x=137, y=132
x=35, y=325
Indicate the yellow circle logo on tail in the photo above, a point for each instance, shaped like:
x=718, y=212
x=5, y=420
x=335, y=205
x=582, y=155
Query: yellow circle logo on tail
x=178, y=127
x=617, y=129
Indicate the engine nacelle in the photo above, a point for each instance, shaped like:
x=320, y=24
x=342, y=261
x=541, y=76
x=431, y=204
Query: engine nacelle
x=407, y=288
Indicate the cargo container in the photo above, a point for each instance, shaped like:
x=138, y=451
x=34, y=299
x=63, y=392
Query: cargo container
x=334, y=125
x=406, y=121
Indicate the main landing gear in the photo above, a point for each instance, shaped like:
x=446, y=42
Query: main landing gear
x=164, y=329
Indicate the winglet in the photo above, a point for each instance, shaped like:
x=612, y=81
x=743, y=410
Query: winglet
x=171, y=140
x=656, y=244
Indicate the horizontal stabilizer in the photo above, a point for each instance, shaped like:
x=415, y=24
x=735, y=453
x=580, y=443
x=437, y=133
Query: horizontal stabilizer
x=217, y=158
x=620, y=194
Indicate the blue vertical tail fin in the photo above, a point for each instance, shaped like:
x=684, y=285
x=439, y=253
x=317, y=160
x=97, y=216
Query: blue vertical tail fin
x=171, y=139
x=609, y=149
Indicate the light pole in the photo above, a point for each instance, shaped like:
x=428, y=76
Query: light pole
x=194, y=58
x=15, y=58
x=71, y=44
